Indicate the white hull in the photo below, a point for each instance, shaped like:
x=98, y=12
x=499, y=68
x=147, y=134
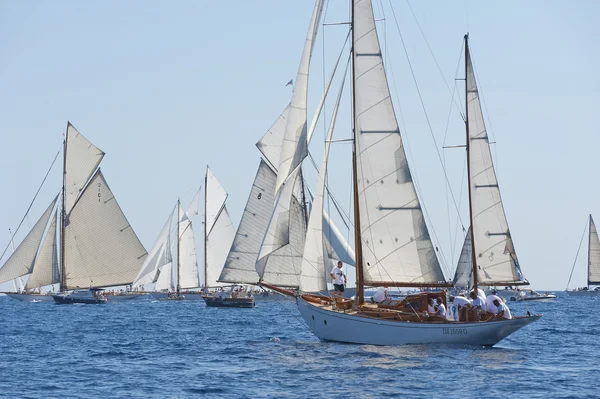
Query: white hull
x=336, y=326
x=584, y=293
x=31, y=297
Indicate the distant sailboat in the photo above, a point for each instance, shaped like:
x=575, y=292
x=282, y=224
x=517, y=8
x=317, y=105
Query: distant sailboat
x=593, y=262
x=392, y=242
x=98, y=247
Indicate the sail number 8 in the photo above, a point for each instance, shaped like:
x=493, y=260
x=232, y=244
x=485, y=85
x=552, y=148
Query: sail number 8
x=454, y=331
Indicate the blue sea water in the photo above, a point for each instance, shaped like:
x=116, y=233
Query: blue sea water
x=146, y=349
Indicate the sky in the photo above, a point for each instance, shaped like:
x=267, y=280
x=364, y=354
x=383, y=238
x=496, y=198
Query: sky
x=165, y=88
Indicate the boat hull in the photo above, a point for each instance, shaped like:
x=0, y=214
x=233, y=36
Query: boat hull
x=215, y=302
x=536, y=298
x=125, y=298
x=68, y=300
x=186, y=297
x=331, y=325
x=580, y=293
x=31, y=297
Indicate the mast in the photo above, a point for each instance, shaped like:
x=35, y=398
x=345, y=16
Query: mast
x=205, y=235
x=473, y=257
x=301, y=176
x=589, y=248
x=357, y=238
x=63, y=277
x=178, y=239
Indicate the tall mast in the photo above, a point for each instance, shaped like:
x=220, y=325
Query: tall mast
x=473, y=257
x=589, y=248
x=178, y=239
x=357, y=238
x=205, y=236
x=63, y=277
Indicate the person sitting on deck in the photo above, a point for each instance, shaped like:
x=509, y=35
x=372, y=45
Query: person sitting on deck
x=503, y=310
x=336, y=277
x=380, y=295
x=441, y=308
x=490, y=302
x=477, y=301
x=431, y=307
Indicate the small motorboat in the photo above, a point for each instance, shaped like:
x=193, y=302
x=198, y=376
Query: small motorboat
x=87, y=296
x=531, y=295
x=229, y=299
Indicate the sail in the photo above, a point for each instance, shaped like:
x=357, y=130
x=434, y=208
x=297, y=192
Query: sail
x=101, y=248
x=294, y=147
x=464, y=270
x=82, y=159
x=395, y=239
x=215, y=199
x=164, y=278
x=218, y=244
x=338, y=247
x=193, y=208
x=315, y=259
x=188, y=265
x=495, y=255
x=159, y=255
x=21, y=262
x=45, y=268
x=270, y=143
x=594, y=255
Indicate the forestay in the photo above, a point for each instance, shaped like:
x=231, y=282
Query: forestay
x=21, y=262
x=45, y=270
x=395, y=239
x=101, y=248
x=464, y=269
x=495, y=255
x=82, y=159
x=594, y=255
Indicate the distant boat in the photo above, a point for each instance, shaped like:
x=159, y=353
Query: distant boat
x=90, y=296
x=593, y=282
x=531, y=295
x=98, y=247
x=392, y=243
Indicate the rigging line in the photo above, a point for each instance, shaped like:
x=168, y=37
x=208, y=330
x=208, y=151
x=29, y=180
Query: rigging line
x=424, y=111
x=433, y=56
x=580, y=242
x=31, y=204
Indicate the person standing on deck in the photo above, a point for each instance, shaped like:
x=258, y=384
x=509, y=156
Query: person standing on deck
x=336, y=277
x=491, y=302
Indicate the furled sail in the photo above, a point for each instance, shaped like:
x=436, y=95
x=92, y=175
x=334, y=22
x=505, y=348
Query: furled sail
x=81, y=161
x=294, y=147
x=45, y=269
x=315, y=260
x=188, y=265
x=101, y=248
x=21, y=262
x=396, y=245
x=159, y=256
x=464, y=270
x=495, y=255
x=594, y=255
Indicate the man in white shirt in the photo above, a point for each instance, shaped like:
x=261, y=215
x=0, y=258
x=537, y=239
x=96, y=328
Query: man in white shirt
x=431, y=306
x=477, y=301
x=336, y=277
x=461, y=301
x=490, y=302
x=503, y=310
x=441, y=310
x=380, y=295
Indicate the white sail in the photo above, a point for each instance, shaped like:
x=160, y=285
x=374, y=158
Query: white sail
x=218, y=244
x=159, y=255
x=101, y=248
x=270, y=143
x=81, y=161
x=188, y=265
x=294, y=147
x=395, y=240
x=495, y=255
x=315, y=259
x=45, y=268
x=193, y=208
x=164, y=278
x=594, y=255
x=22, y=260
x=215, y=199
x=339, y=249
x=463, y=277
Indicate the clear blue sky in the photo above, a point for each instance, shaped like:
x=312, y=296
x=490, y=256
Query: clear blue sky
x=166, y=87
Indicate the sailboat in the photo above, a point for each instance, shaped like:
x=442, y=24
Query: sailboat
x=593, y=262
x=392, y=242
x=98, y=247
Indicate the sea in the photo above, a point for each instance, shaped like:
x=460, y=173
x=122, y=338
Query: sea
x=181, y=349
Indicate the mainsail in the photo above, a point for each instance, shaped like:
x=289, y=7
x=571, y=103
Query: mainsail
x=594, y=255
x=496, y=259
x=22, y=261
x=45, y=270
x=463, y=277
x=396, y=247
x=101, y=248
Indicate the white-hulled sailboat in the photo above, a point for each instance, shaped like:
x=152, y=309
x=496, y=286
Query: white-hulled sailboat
x=98, y=247
x=593, y=262
x=392, y=242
